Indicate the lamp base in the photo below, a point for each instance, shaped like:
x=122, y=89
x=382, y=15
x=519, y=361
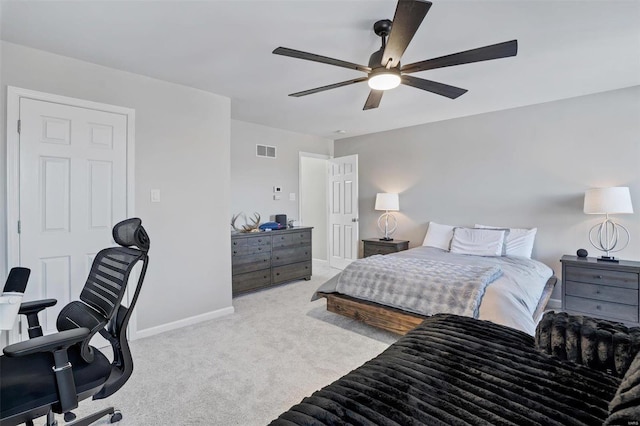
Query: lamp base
x=607, y=259
x=386, y=239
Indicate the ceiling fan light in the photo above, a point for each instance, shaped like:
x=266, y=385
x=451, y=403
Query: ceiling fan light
x=384, y=80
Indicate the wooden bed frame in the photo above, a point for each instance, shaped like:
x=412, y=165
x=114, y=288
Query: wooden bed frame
x=397, y=320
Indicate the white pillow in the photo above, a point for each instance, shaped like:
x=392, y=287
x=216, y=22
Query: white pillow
x=478, y=242
x=438, y=236
x=519, y=241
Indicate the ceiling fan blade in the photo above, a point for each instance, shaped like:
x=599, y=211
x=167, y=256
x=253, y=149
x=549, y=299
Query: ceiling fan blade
x=329, y=87
x=451, y=92
x=285, y=51
x=373, y=101
x=494, y=51
x=408, y=17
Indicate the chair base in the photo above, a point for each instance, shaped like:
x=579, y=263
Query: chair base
x=114, y=416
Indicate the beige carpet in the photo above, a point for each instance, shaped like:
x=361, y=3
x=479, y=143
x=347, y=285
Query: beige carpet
x=246, y=368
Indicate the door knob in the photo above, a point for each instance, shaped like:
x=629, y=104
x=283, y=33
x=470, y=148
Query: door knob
x=355, y=219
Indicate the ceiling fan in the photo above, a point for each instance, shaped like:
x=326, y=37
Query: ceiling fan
x=385, y=72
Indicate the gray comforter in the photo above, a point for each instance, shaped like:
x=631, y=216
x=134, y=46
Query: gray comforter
x=424, y=286
x=509, y=300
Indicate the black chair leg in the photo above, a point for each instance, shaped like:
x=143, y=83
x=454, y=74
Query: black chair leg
x=115, y=416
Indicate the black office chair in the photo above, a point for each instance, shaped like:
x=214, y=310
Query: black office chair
x=50, y=374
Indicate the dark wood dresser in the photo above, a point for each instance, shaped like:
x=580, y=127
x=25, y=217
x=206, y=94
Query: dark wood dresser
x=601, y=289
x=376, y=246
x=263, y=259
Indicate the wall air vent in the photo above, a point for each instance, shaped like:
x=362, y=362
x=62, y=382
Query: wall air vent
x=266, y=151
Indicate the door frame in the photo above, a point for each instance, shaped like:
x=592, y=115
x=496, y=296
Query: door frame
x=14, y=94
x=325, y=157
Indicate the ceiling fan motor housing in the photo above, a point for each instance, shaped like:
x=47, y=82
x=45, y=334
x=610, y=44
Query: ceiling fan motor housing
x=375, y=60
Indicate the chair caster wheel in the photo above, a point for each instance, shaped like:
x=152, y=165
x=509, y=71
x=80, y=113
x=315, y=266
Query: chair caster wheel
x=115, y=417
x=69, y=417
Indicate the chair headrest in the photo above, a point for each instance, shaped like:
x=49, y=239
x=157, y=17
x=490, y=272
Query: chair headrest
x=17, y=280
x=130, y=232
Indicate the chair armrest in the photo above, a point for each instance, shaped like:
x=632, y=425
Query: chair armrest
x=49, y=343
x=35, y=306
x=594, y=342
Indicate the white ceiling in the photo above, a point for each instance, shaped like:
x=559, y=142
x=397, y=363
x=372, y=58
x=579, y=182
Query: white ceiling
x=566, y=49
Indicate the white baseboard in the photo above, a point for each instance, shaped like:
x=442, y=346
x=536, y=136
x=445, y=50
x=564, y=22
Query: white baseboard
x=183, y=322
x=554, y=304
x=320, y=262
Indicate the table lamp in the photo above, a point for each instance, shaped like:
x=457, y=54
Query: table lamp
x=605, y=236
x=387, y=223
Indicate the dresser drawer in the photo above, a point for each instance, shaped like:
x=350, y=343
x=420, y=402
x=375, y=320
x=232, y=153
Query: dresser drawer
x=291, y=272
x=604, y=293
x=599, y=308
x=290, y=255
x=601, y=276
x=242, y=264
x=251, y=249
x=291, y=239
x=250, y=281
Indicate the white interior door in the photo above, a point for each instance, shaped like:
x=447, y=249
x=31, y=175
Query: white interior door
x=343, y=211
x=73, y=189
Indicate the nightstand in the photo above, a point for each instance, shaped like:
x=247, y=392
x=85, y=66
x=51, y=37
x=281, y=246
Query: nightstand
x=375, y=246
x=601, y=289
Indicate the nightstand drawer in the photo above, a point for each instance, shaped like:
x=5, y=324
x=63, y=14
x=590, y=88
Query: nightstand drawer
x=601, y=276
x=370, y=250
x=599, y=308
x=604, y=293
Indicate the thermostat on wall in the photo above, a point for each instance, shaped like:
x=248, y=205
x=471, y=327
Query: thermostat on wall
x=277, y=189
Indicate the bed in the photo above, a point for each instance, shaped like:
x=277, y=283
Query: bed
x=515, y=298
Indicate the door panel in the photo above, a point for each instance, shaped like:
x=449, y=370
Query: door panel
x=343, y=220
x=73, y=189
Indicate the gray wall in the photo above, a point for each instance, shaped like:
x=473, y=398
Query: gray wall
x=253, y=178
x=182, y=148
x=524, y=167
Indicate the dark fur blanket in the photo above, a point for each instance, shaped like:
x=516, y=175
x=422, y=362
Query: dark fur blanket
x=456, y=370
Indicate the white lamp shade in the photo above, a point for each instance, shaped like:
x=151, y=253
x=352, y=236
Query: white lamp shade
x=614, y=200
x=387, y=201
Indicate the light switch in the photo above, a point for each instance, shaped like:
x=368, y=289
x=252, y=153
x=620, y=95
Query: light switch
x=277, y=197
x=155, y=195
x=292, y=196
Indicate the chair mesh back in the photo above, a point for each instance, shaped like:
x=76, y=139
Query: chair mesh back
x=17, y=280
x=107, y=280
x=103, y=290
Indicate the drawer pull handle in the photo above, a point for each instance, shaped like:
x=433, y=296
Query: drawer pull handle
x=235, y=252
x=597, y=291
x=278, y=273
x=598, y=277
x=259, y=248
x=598, y=307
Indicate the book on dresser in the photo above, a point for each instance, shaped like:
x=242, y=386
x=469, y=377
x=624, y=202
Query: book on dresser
x=601, y=289
x=265, y=259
